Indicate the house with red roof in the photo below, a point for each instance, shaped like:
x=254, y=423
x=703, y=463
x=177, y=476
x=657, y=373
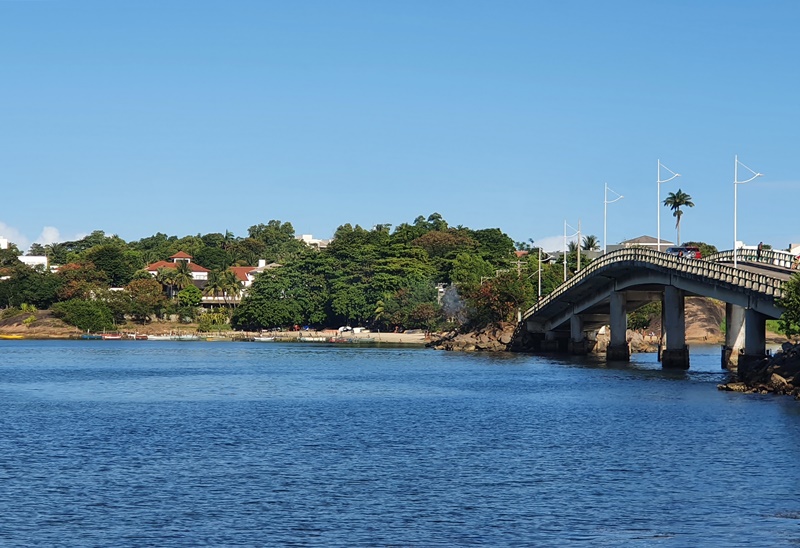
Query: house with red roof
x=199, y=273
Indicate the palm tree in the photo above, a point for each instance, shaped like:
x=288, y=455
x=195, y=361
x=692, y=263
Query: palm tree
x=166, y=277
x=214, y=285
x=183, y=275
x=232, y=286
x=590, y=243
x=675, y=201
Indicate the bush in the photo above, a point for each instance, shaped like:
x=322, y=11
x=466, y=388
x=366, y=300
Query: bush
x=85, y=315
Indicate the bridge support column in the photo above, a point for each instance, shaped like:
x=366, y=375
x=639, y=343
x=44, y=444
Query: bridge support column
x=577, y=340
x=734, y=335
x=755, y=336
x=550, y=342
x=676, y=354
x=618, y=349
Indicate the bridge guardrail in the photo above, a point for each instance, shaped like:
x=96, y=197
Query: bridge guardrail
x=781, y=259
x=708, y=268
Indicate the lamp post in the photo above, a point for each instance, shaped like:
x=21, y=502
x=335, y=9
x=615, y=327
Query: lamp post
x=540, y=273
x=736, y=183
x=658, y=202
x=605, y=215
x=566, y=249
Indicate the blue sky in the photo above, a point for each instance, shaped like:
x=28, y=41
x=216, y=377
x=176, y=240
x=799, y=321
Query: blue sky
x=189, y=117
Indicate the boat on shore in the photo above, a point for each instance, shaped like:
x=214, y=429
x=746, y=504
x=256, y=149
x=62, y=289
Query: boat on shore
x=312, y=339
x=264, y=339
x=11, y=337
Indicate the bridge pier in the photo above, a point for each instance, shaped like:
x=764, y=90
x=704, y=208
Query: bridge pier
x=578, y=344
x=745, y=336
x=676, y=353
x=618, y=349
x=734, y=335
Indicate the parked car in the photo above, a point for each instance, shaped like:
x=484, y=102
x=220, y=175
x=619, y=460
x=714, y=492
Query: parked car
x=688, y=251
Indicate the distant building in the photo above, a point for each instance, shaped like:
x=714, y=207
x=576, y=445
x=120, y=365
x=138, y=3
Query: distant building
x=647, y=242
x=199, y=273
x=34, y=261
x=310, y=241
x=3, y=243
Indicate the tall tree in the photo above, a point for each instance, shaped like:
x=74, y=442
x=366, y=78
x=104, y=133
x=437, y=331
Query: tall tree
x=675, y=201
x=590, y=243
x=183, y=275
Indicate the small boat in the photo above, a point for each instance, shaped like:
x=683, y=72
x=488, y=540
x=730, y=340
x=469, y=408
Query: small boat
x=339, y=340
x=111, y=336
x=91, y=337
x=11, y=337
x=264, y=339
x=312, y=339
x=160, y=338
x=186, y=338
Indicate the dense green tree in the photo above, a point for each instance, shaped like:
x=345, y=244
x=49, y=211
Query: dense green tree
x=85, y=314
x=500, y=298
x=115, y=261
x=469, y=270
x=494, y=245
x=147, y=298
x=80, y=280
x=190, y=296
x=28, y=285
x=790, y=303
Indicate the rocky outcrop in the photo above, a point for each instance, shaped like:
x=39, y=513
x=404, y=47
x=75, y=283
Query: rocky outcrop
x=779, y=374
x=493, y=338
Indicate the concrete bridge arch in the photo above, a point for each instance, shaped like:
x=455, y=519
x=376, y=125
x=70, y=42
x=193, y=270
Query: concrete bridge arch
x=622, y=281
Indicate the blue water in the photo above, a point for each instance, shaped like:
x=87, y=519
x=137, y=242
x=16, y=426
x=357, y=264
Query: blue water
x=262, y=444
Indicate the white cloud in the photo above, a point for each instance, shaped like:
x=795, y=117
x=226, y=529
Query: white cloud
x=49, y=235
x=552, y=243
x=14, y=236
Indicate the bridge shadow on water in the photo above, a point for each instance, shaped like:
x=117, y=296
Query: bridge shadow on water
x=704, y=365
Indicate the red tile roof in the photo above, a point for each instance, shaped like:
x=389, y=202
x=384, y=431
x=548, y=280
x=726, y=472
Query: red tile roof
x=181, y=255
x=166, y=264
x=241, y=271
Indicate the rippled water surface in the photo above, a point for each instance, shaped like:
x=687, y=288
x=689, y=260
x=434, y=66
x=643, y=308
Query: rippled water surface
x=183, y=444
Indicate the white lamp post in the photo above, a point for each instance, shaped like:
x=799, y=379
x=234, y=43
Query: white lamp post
x=566, y=249
x=736, y=183
x=658, y=203
x=605, y=215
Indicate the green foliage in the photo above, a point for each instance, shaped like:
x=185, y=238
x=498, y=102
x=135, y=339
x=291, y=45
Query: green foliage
x=87, y=315
x=146, y=298
x=641, y=318
x=790, y=303
x=213, y=321
x=26, y=285
x=190, y=296
x=499, y=298
x=675, y=201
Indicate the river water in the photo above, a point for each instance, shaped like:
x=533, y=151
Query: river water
x=123, y=443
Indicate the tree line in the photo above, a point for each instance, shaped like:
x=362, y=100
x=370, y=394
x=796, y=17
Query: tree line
x=419, y=275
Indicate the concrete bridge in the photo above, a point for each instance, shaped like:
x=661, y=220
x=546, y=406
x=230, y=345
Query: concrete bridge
x=603, y=293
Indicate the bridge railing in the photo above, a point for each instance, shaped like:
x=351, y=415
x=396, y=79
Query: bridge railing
x=781, y=259
x=713, y=270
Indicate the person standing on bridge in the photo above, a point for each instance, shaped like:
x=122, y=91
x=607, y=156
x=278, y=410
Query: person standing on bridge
x=758, y=250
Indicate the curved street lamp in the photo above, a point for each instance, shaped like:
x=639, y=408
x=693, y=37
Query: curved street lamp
x=736, y=183
x=605, y=215
x=658, y=203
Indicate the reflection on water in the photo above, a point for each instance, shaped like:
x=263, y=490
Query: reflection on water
x=176, y=444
